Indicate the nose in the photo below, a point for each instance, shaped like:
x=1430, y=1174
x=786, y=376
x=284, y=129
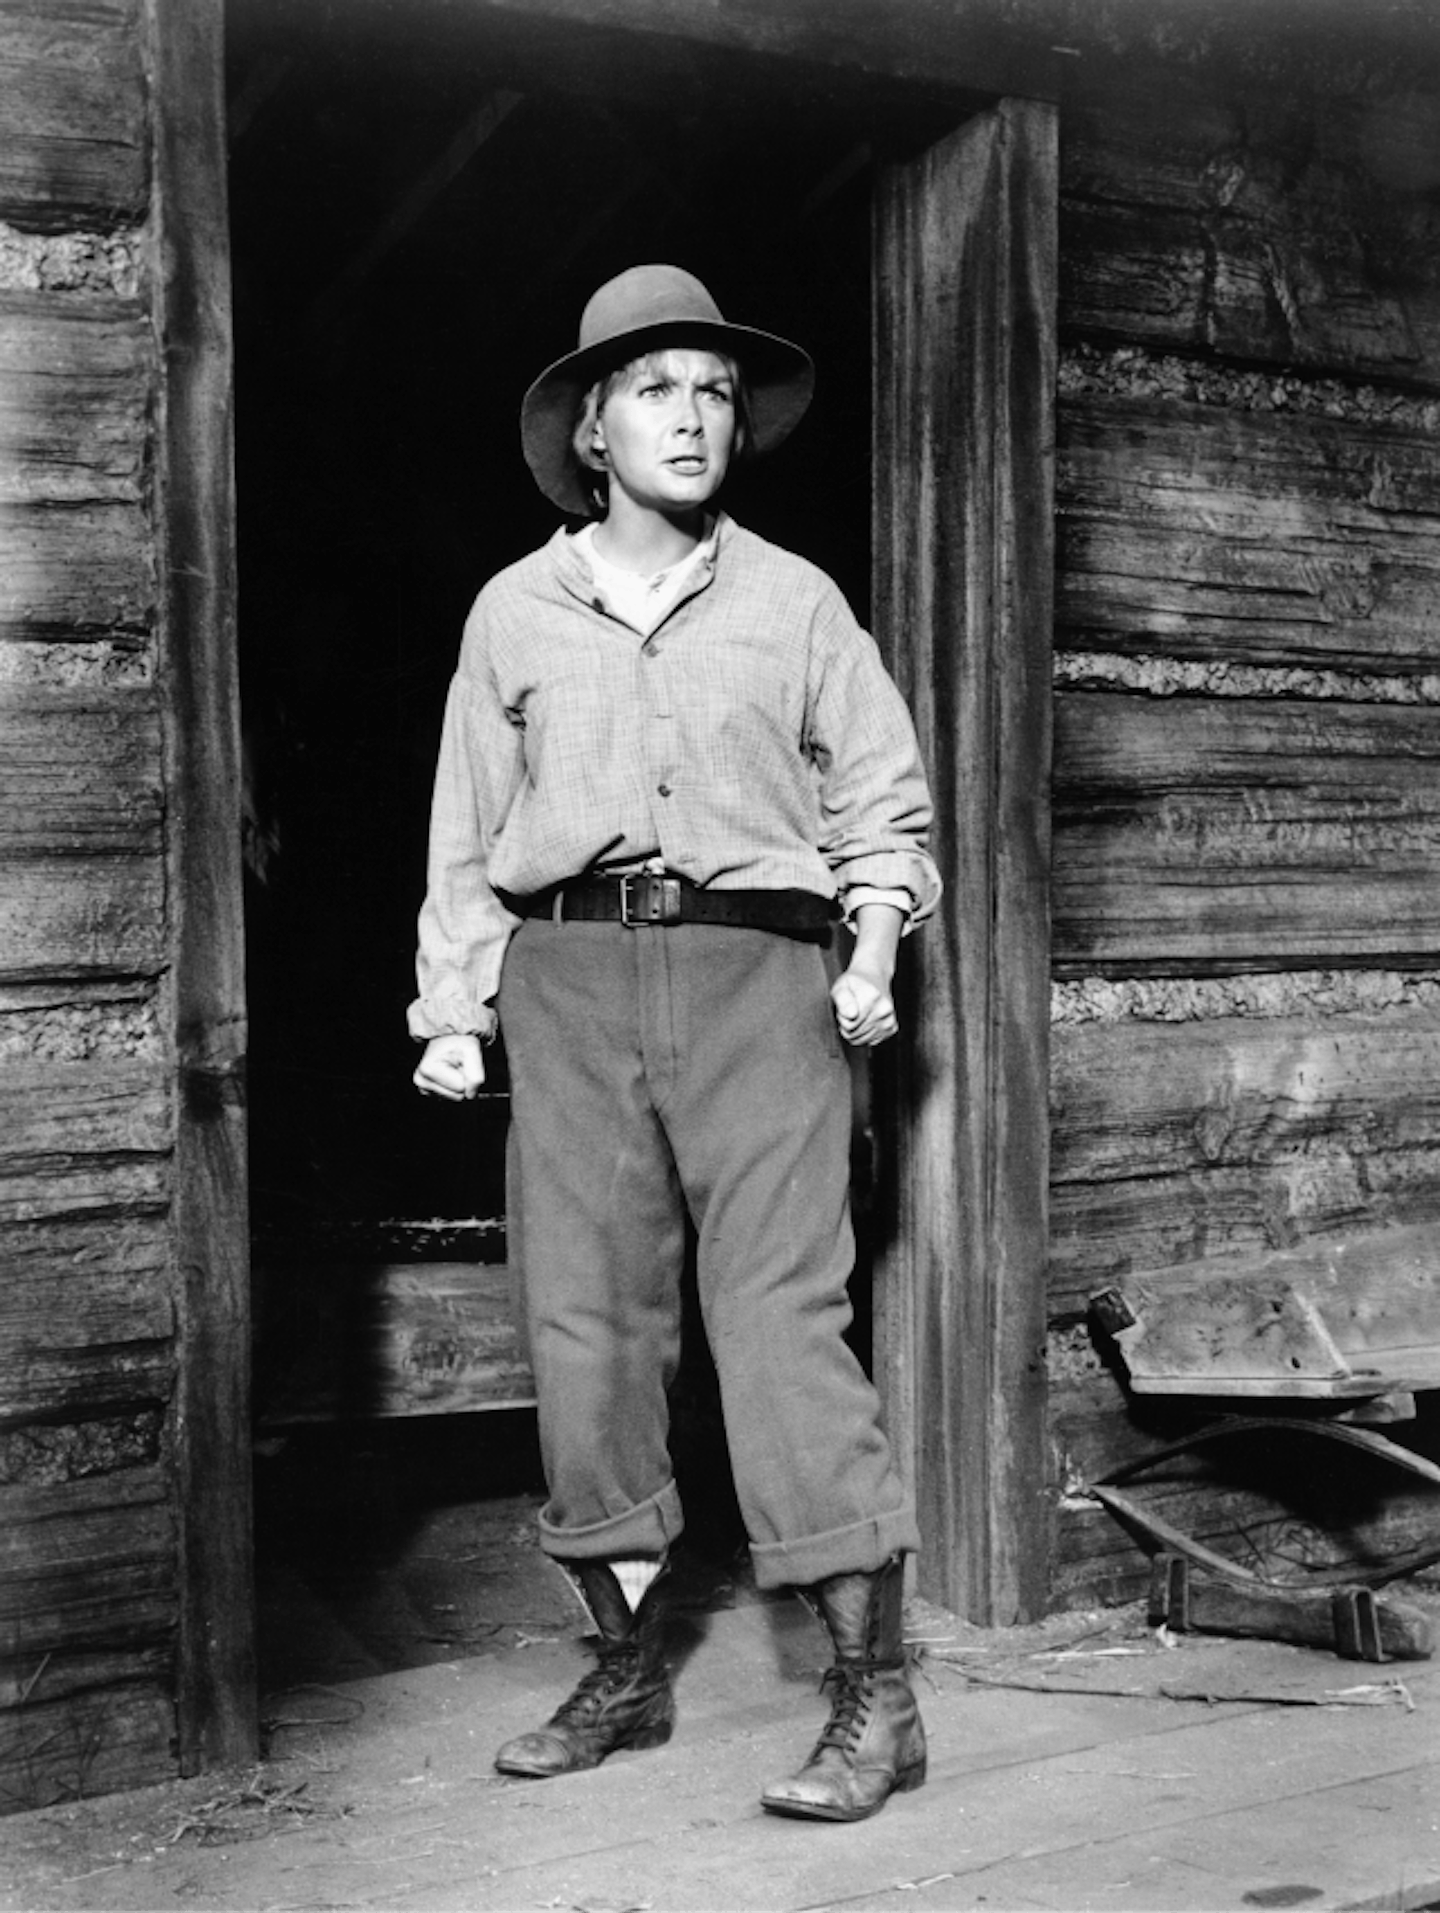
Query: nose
x=688, y=416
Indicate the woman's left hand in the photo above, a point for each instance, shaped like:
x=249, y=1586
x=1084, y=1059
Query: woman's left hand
x=864, y=1008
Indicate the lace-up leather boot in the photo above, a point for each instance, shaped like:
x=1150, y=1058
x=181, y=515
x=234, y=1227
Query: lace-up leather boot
x=873, y=1744
x=624, y=1701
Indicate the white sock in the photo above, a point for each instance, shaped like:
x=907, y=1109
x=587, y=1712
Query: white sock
x=635, y=1573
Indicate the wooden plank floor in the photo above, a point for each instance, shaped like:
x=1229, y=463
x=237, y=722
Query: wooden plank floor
x=1293, y=1793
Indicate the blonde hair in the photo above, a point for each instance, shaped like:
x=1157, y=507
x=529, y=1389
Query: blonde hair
x=593, y=472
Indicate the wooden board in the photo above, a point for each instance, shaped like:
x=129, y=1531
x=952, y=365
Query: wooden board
x=351, y=1340
x=964, y=345
x=1196, y=531
x=1172, y=1142
x=1195, y=833
x=72, y=102
x=1341, y=1316
x=195, y=509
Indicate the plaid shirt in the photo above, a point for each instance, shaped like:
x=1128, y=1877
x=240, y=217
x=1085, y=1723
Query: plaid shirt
x=753, y=741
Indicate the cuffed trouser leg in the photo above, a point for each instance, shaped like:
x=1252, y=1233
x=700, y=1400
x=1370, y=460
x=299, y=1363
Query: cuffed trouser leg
x=601, y=1237
x=760, y=1123
x=705, y=1059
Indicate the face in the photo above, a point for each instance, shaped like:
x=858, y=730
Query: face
x=666, y=433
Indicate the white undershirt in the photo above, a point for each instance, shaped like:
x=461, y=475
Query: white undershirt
x=642, y=599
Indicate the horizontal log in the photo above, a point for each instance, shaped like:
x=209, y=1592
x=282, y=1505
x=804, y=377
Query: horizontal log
x=1265, y=537
x=95, y=1380
x=1208, y=210
x=1175, y=1141
x=86, y=1744
x=85, y=1283
x=78, y=570
x=1262, y=833
x=81, y=776
x=394, y=1339
x=76, y=380
x=61, y=1111
x=1147, y=1099
x=28, y=1680
x=73, y=105
x=65, y=917
x=83, y=1135
x=88, y=1567
x=1147, y=1222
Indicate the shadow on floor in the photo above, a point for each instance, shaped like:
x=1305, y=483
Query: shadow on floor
x=389, y=1545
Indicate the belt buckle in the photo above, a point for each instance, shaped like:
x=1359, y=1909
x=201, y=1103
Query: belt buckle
x=657, y=902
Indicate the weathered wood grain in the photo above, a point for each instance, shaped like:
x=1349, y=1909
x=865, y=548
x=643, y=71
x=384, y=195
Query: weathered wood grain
x=85, y=1744
x=347, y=1339
x=1341, y=1316
x=68, y=916
x=80, y=776
x=72, y=102
x=82, y=1136
x=964, y=353
x=1177, y=1141
x=1192, y=531
x=217, y=1701
x=76, y=378
x=70, y=571
x=1257, y=219
x=1264, y=833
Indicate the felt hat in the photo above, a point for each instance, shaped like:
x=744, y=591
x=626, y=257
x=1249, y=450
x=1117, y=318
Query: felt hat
x=646, y=307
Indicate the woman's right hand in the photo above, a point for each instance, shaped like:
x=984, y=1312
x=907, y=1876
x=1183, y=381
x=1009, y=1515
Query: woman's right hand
x=452, y=1067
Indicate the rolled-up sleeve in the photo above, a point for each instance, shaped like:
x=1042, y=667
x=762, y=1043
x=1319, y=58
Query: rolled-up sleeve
x=875, y=802
x=464, y=928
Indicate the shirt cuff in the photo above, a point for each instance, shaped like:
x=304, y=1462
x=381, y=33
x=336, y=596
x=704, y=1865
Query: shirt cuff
x=427, y=1018
x=900, y=900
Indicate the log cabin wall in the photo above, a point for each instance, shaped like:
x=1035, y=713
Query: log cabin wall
x=1246, y=821
x=110, y=349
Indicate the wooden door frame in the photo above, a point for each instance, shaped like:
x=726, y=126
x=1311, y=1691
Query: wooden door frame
x=216, y=1680
x=965, y=357
x=960, y=1284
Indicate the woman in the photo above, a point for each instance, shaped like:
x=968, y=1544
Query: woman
x=671, y=757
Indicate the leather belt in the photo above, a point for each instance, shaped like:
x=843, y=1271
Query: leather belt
x=643, y=900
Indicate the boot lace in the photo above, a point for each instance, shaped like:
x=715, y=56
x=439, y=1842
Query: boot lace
x=848, y=1683
x=595, y=1690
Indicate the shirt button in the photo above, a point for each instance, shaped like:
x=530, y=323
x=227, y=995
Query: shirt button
x=664, y=789
x=650, y=648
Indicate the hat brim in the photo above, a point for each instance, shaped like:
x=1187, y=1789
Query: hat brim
x=780, y=378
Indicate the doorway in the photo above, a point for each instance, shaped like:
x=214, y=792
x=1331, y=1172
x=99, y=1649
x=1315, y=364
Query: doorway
x=420, y=204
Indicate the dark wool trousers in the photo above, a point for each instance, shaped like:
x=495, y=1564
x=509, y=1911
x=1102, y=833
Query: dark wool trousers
x=655, y=1071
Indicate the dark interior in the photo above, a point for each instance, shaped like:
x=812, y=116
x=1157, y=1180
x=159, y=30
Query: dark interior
x=422, y=197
